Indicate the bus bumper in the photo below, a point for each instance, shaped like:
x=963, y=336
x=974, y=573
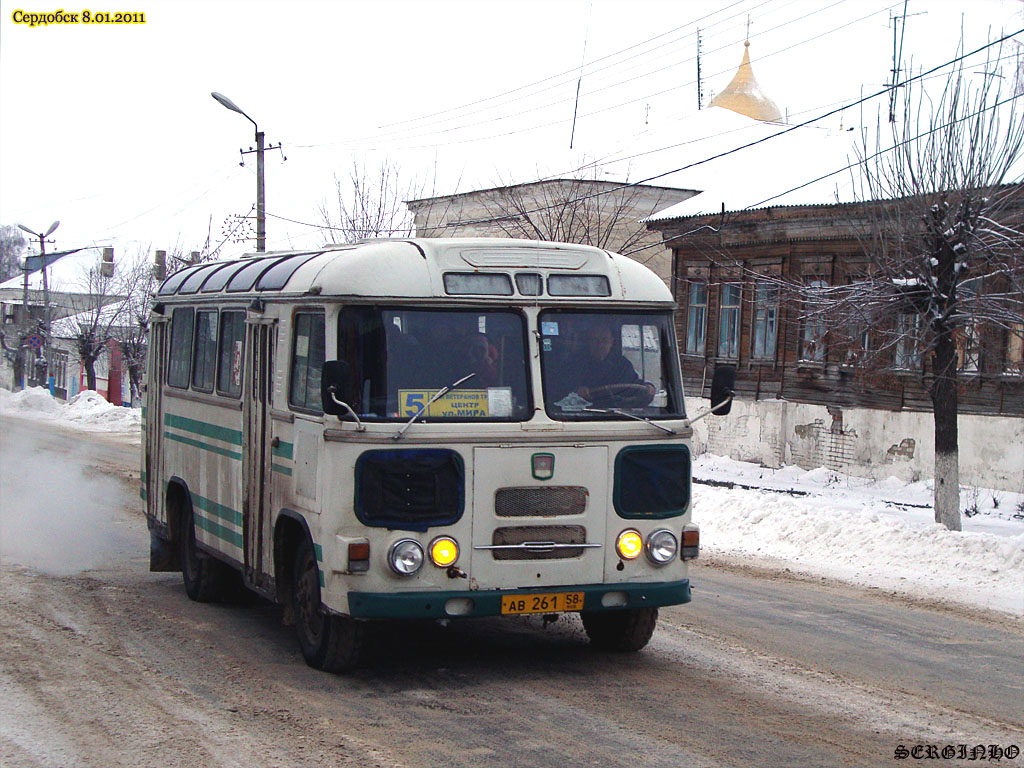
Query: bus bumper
x=444, y=605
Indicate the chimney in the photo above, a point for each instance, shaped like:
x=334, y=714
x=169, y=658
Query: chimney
x=193, y=257
x=107, y=265
x=160, y=265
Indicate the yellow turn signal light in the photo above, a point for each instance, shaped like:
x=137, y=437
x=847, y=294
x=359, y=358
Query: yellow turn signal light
x=444, y=551
x=629, y=545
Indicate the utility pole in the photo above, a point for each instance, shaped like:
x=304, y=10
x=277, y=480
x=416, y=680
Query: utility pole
x=46, y=298
x=897, y=56
x=700, y=83
x=261, y=212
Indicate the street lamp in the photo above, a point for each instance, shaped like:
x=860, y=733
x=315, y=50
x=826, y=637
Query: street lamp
x=261, y=222
x=46, y=297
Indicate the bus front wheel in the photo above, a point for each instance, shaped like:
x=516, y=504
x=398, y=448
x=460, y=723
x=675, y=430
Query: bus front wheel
x=202, y=574
x=328, y=642
x=626, y=630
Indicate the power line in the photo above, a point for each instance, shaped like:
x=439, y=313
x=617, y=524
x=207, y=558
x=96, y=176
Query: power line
x=332, y=228
x=376, y=138
x=628, y=185
x=845, y=168
x=614, y=85
x=763, y=139
x=567, y=72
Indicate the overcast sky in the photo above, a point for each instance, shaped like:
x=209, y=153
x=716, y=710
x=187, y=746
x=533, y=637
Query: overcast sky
x=111, y=128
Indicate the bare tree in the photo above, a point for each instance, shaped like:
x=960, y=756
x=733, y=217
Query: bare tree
x=943, y=242
x=138, y=284
x=370, y=204
x=98, y=310
x=579, y=209
x=12, y=243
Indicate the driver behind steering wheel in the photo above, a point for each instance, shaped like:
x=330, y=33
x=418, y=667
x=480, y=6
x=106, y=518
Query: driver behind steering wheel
x=603, y=376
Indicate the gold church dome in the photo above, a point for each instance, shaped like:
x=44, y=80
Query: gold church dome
x=744, y=95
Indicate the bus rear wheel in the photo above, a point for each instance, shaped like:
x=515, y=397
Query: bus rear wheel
x=202, y=574
x=624, y=631
x=328, y=642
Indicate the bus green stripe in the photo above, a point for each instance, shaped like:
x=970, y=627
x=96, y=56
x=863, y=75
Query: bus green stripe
x=211, y=507
x=319, y=552
x=219, y=510
x=205, y=446
x=218, y=530
x=281, y=469
x=283, y=450
x=201, y=428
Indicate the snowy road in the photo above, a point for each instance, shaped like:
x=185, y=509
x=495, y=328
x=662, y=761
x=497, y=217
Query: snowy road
x=105, y=664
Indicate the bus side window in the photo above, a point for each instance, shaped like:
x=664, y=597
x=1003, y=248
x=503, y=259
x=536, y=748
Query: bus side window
x=307, y=362
x=180, y=354
x=204, y=359
x=232, y=340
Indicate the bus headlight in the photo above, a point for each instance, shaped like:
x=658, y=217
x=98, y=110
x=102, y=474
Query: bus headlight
x=629, y=545
x=662, y=547
x=444, y=551
x=405, y=557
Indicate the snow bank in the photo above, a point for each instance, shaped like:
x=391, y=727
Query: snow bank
x=867, y=533
x=34, y=401
x=87, y=410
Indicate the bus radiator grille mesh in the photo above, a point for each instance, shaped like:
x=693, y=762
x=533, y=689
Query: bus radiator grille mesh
x=548, y=501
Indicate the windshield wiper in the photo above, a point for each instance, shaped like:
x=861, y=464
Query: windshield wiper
x=440, y=393
x=644, y=419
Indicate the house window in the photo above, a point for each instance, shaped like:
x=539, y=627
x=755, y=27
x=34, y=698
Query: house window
x=968, y=348
x=968, y=339
x=812, y=332
x=1015, y=350
x=696, y=318
x=908, y=342
x=60, y=369
x=859, y=341
x=307, y=360
x=729, y=322
x=766, y=321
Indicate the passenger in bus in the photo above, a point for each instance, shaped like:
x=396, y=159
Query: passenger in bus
x=599, y=373
x=481, y=360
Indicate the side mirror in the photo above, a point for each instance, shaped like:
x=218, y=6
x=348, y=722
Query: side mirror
x=335, y=379
x=722, y=384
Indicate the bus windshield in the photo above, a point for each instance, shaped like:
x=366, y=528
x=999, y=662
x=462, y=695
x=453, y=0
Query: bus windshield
x=596, y=364
x=404, y=356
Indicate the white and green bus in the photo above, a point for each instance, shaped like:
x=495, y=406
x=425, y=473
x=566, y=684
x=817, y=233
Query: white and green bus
x=421, y=428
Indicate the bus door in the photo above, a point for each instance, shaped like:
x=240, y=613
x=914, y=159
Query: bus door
x=256, y=486
x=152, y=459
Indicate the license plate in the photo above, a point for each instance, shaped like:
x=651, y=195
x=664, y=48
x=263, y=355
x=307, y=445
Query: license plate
x=555, y=602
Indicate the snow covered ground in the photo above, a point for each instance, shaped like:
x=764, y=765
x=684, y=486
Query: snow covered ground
x=872, y=533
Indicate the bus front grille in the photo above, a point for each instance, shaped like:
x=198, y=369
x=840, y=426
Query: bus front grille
x=533, y=501
x=539, y=542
